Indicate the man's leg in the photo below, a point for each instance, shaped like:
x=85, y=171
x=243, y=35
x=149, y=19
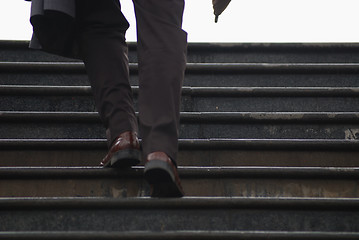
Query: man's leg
x=162, y=46
x=101, y=28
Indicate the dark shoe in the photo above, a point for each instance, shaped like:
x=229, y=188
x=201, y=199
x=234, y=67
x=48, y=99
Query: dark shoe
x=161, y=174
x=124, y=152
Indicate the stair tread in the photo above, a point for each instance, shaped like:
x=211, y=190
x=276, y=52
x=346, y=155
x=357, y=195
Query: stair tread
x=192, y=144
x=193, y=67
x=158, y=215
x=219, y=52
x=203, y=117
x=190, y=91
x=310, y=45
x=185, y=202
x=184, y=172
x=180, y=235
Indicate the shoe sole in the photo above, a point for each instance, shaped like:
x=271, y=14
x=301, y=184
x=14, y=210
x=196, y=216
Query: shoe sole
x=160, y=176
x=124, y=159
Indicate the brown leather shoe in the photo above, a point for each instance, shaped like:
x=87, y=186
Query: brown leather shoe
x=124, y=152
x=161, y=174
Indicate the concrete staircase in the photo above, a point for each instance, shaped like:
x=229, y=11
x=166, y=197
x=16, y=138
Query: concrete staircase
x=269, y=148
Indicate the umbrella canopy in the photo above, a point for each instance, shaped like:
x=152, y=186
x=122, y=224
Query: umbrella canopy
x=219, y=6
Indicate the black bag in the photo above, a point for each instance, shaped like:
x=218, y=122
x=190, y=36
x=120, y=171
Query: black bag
x=54, y=27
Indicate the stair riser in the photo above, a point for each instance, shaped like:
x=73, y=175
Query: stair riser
x=220, y=187
x=188, y=131
x=219, y=53
x=269, y=80
x=189, y=104
x=52, y=79
x=167, y=220
x=175, y=235
x=187, y=158
x=204, y=79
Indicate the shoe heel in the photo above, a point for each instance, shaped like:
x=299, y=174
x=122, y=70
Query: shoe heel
x=159, y=175
x=125, y=158
x=157, y=171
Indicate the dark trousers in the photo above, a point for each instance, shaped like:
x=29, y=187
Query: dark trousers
x=161, y=47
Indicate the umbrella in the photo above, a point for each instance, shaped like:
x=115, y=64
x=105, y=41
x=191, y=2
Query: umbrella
x=219, y=6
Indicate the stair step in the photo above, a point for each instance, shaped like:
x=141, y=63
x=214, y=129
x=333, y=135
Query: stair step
x=184, y=172
x=79, y=67
x=197, y=74
x=218, y=52
x=187, y=214
x=329, y=182
x=196, y=91
x=180, y=235
x=333, y=125
x=56, y=98
x=206, y=157
x=188, y=117
x=192, y=104
x=218, y=79
x=206, y=152
x=191, y=144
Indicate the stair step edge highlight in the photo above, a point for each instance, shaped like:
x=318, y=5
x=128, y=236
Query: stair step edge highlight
x=192, y=144
x=193, y=67
x=188, y=117
x=181, y=235
x=184, y=172
x=181, y=203
x=191, y=91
